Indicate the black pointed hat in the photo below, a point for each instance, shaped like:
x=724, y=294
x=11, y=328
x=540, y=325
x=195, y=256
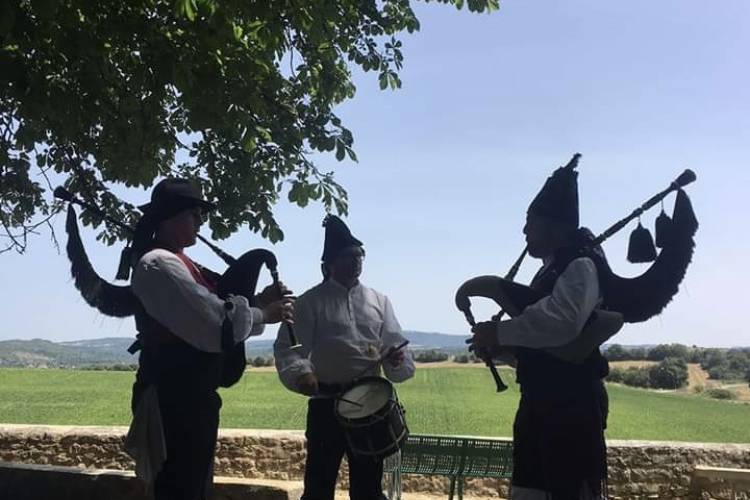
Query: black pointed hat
x=558, y=198
x=338, y=237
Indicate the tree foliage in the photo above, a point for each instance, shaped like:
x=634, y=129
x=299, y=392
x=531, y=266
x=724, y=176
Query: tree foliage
x=636, y=377
x=663, y=351
x=721, y=393
x=236, y=94
x=727, y=364
x=260, y=361
x=633, y=376
x=670, y=373
x=431, y=356
x=616, y=352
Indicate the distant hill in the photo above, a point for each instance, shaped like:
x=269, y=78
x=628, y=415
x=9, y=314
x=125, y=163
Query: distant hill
x=113, y=350
x=432, y=340
x=43, y=353
x=418, y=341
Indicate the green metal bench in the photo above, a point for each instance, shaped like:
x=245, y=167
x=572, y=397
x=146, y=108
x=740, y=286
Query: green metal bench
x=456, y=457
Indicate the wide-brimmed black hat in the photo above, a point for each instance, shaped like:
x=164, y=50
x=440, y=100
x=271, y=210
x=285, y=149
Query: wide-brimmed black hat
x=171, y=196
x=338, y=237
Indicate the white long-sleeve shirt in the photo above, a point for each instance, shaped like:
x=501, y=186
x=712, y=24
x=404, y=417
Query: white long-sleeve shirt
x=170, y=294
x=343, y=332
x=558, y=318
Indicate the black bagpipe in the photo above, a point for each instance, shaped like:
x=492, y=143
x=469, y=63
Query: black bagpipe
x=632, y=300
x=240, y=278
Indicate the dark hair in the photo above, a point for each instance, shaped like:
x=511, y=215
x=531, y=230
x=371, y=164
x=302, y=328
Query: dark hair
x=143, y=237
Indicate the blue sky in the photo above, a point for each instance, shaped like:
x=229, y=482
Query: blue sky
x=491, y=104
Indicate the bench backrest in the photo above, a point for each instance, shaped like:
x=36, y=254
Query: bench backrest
x=488, y=458
x=457, y=456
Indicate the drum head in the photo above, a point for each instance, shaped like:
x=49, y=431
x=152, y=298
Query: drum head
x=366, y=398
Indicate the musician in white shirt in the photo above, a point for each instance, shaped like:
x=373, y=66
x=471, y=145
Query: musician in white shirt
x=343, y=327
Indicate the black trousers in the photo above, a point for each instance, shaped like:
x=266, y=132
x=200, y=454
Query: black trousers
x=190, y=432
x=326, y=445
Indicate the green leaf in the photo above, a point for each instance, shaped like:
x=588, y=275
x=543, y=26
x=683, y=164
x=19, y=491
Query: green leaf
x=293, y=195
x=340, y=150
x=264, y=133
x=186, y=8
x=351, y=154
x=275, y=234
x=248, y=142
x=383, y=80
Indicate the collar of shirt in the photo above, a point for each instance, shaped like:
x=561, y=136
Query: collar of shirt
x=335, y=287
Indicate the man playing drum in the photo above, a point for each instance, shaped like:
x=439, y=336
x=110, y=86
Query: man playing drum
x=344, y=329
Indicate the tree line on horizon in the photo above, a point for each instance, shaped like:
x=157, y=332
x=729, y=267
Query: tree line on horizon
x=671, y=371
x=725, y=364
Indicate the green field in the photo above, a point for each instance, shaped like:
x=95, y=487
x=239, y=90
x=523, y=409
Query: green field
x=437, y=401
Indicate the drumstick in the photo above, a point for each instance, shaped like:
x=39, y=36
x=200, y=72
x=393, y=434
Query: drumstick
x=382, y=358
x=350, y=402
x=393, y=349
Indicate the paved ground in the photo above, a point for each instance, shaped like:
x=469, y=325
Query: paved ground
x=343, y=495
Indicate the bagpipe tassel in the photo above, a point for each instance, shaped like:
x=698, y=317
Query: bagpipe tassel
x=123, y=268
x=641, y=248
x=663, y=229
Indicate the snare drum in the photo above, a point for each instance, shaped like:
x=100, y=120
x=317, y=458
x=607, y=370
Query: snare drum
x=372, y=418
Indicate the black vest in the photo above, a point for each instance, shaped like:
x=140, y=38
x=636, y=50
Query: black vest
x=174, y=366
x=538, y=371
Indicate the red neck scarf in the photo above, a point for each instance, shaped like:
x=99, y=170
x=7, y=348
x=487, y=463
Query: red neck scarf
x=195, y=271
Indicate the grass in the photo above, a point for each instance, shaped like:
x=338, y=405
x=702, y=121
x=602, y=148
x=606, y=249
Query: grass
x=438, y=401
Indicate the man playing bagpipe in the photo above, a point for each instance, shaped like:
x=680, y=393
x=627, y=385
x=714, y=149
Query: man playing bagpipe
x=345, y=330
x=574, y=303
x=180, y=320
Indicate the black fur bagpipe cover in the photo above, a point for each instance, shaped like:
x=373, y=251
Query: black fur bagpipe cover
x=642, y=297
x=645, y=296
x=109, y=299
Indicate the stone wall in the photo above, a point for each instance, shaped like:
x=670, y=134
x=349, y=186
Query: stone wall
x=637, y=469
x=659, y=469
x=54, y=482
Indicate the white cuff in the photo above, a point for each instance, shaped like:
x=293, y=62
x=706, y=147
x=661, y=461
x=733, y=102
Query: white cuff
x=294, y=371
x=246, y=321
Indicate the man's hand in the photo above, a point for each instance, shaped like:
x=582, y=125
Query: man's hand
x=280, y=310
x=396, y=358
x=484, y=343
x=308, y=384
x=272, y=293
x=485, y=336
